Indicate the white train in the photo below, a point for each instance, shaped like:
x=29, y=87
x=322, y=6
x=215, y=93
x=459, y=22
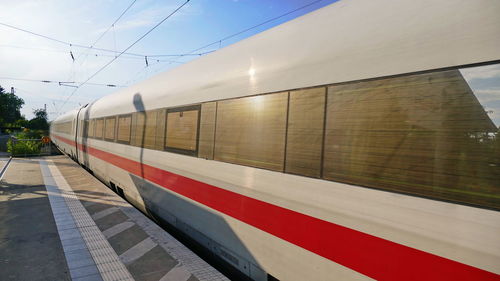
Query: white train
x=346, y=144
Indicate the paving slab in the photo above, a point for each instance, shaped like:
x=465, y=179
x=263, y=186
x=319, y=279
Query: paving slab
x=58, y=222
x=30, y=247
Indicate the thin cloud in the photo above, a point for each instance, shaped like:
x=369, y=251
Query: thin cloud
x=150, y=16
x=481, y=72
x=490, y=100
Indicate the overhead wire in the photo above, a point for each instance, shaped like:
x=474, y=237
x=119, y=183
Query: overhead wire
x=113, y=24
x=141, y=56
x=219, y=42
x=63, y=42
x=124, y=51
x=106, y=55
x=29, y=93
x=106, y=31
x=135, y=77
x=253, y=27
x=83, y=58
x=124, y=56
x=60, y=83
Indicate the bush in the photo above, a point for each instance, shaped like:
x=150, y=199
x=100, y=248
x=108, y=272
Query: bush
x=31, y=134
x=19, y=148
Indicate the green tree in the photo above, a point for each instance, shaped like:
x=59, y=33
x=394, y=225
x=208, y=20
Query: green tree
x=40, y=121
x=10, y=108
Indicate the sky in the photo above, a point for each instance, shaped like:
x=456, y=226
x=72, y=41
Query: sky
x=484, y=81
x=198, y=23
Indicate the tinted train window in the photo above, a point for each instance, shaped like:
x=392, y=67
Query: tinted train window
x=150, y=129
x=57, y=127
x=160, y=129
x=251, y=131
x=306, y=115
x=136, y=133
x=99, y=128
x=124, y=124
x=84, y=127
x=207, y=130
x=110, y=128
x=144, y=129
x=64, y=127
x=426, y=134
x=182, y=129
x=80, y=127
x=90, y=128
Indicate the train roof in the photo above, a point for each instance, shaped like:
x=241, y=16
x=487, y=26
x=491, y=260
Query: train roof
x=67, y=116
x=345, y=41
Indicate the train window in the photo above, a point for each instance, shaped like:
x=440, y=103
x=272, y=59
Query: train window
x=124, y=123
x=99, y=128
x=425, y=134
x=251, y=131
x=182, y=129
x=304, y=143
x=65, y=127
x=207, y=130
x=83, y=127
x=80, y=127
x=150, y=129
x=135, y=134
x=60, y=127
x=160, y=129
x=144, y=129
x=90, y=132
x=110, y=128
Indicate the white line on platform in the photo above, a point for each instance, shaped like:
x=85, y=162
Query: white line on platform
x=193, y=263
x=4, y=168
x=178, y=273
x=116, y=229
x=103, y=213
x=66, y=207
x=137, y=251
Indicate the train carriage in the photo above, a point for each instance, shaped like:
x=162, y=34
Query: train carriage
x=347, y=144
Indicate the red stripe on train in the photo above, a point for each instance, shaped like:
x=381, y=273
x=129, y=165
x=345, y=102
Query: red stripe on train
x=370, y=255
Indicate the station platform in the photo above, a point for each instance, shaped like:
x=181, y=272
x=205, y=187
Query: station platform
x=58, y=222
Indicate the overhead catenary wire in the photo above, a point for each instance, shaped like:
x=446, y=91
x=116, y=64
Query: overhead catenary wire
x=253, y=27
x=106, y=55
x=103, y=55
x=124, y=51
x=113, y=24
x=219, y=42
x=63, y=42
x=140, y=56
x=30, y=93
x=106, y=31
x=156, y=62
x=60, y=83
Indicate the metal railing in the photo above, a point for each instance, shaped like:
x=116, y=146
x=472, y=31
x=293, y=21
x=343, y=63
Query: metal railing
x=29, y=147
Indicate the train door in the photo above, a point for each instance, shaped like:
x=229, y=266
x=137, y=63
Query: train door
x=81, y=137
